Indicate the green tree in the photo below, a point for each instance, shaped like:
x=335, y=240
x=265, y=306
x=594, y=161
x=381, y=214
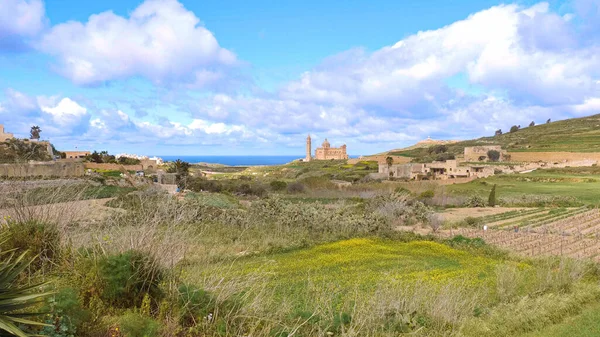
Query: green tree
x=492, y=197
x=389, y=161
x=35, y=132
x=514, y=128
x=181, y=170
x=493, y=155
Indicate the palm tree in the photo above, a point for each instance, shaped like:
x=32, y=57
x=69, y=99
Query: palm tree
x=15, y=298
x=35, y=132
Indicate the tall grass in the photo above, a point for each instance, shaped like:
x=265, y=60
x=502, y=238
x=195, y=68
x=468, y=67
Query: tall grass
x=180, y=237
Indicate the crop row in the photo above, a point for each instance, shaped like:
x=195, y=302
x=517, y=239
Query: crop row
x=509, y=215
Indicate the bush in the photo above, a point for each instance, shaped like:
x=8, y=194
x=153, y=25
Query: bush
x=437, y=149
x=296, y=187
x=493, y=155
x=37, y=239
x=514, y=128
x=135, y=325
x=445, y=156
x=472, y=221
x=67, y=314
x=278, y=185
x=427, y=194
x=128, y=276
x=475, y=201
x=194, y=303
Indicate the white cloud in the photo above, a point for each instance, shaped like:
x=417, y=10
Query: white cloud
x=64, y=113
x=20, y=19
x=589, y=106
x=160, y=40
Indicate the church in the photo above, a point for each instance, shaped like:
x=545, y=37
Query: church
x=325, y=152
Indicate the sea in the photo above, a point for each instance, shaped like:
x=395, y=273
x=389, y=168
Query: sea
x=236, y=160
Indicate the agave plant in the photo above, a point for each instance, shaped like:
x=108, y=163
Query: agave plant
x=15, y=300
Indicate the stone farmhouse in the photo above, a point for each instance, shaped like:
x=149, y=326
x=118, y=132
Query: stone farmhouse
x=325, y=152
x=480, y=153
x=76, y=154
x=437, y=170
x=4, y=136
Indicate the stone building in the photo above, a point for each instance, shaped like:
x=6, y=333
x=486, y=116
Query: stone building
x=76, y=154
x=4, y=136
x=438, y=170
x=326, y=152
x=480, y=153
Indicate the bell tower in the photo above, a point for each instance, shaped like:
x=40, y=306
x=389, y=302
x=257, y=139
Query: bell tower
x=308, y=149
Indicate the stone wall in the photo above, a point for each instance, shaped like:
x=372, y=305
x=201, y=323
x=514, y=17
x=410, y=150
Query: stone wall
x=113, y=167
x=42, y=169
x=381, y=159
x=473, y=153
x=553, y=156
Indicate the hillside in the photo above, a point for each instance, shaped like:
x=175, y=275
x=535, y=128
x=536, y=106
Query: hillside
x=570, y=135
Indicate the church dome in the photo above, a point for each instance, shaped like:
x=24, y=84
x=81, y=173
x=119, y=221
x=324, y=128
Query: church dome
x=326, y=143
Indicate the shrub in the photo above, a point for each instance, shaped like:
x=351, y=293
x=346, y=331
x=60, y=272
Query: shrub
x=67, y=314
x=475, y=201
x=435, y=221
x=278, y=185
x=445, y=156
x=296, y=187
x=437, y=149
x=128, y=276
x=37, y=239
x=472, y=221
x=514, y=128
x=135, y=325
x=427, y=194
x=193, y=303
x=493, y=155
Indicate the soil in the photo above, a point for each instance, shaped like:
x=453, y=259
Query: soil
x=458, y=214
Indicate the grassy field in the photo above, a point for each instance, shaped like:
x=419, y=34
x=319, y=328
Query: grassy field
x=571, y=135
x=583, y=187
x=587, y=324
x=261, y=259
x=367, y=263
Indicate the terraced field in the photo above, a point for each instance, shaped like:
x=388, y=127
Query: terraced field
x=571, y=232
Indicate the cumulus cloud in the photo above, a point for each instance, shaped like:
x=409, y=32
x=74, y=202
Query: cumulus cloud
x=57, y=116
x=20, y=20
x=526, y=63
x=160, y=40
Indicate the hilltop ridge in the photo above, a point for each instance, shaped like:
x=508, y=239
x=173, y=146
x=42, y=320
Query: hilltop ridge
x=569, y=135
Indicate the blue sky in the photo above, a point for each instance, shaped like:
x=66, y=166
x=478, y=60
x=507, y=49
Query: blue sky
x=254, y=77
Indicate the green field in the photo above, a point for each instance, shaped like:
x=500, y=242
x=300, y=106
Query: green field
x=584, y=186
x=369, y=262
x=587, y=324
